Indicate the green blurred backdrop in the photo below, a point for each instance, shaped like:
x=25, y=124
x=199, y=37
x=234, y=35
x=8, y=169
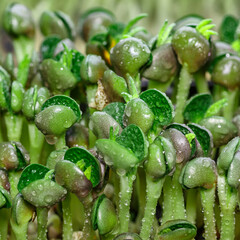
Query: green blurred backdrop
x=158, y=10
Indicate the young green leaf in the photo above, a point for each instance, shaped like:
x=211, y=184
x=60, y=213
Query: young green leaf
x=215, y=108
x=160, y=105
x=86, y=162
x=197, y=106
x=62, y=100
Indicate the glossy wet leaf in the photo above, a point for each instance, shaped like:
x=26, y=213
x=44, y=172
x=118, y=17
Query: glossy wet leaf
x=67, y=23
x=6, y=198
x=22, y=155
x=22, y=211
x=133, y=139
x=61, y=100
x=95, y=211
x=77, y=154
x=55, y=120
x=222, y=130
x=226, y=72
x=13, y=156
x=48, y=46
x=30, y=174
x=226, y=156
x=18, y=20
x=114, y=86
x=51, y=23
x=43, y=192
x=129, y=55
x=185, y=130
x=204, y=137
x=92, y=68
x=58, y=76
x=233, y=175
x=191, y=47
x=161, y=158
x=177, y=229
x=197, y=106
x=162, y=71
x=138, y=112
x=160, y=105
x=71, y=177
x=54, y=157
x=101, y=122
x=117, y=156
x=180, y=143
x=228, y=28
x=199, y=172
x=100, y=220
x=116, y=110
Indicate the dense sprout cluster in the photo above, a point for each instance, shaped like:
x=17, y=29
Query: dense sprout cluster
x=135, y=138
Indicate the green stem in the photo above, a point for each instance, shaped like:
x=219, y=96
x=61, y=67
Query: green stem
x=178, y=199
x=61, y=142
x=36, y=139
x=208, y=199
x=67, y=218
x=126, y=187
x=13, y=178
x=191, y=205
x=167, y=201
x=19, y=231
x=182, y=94
x=141, y=195
x=4, y=217
x=201, y=82
x=232, y=100
x=173, y=200
x=88, y=232
x=22, y=46
x=154, y=189
x=228, y=201
x=42, y=218
x=14, y=125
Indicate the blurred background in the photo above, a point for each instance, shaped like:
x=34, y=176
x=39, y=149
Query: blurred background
x=157, y=10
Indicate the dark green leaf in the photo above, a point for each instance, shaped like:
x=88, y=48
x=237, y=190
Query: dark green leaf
x=63, y=101
x=133, y=139
x=116, y=110
x=30, y=174
x=204, y=137
x=77, y=154
x=95, y=211
x=196, y=107
x=48, y=46
x=228, y=28
x=160, y=104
